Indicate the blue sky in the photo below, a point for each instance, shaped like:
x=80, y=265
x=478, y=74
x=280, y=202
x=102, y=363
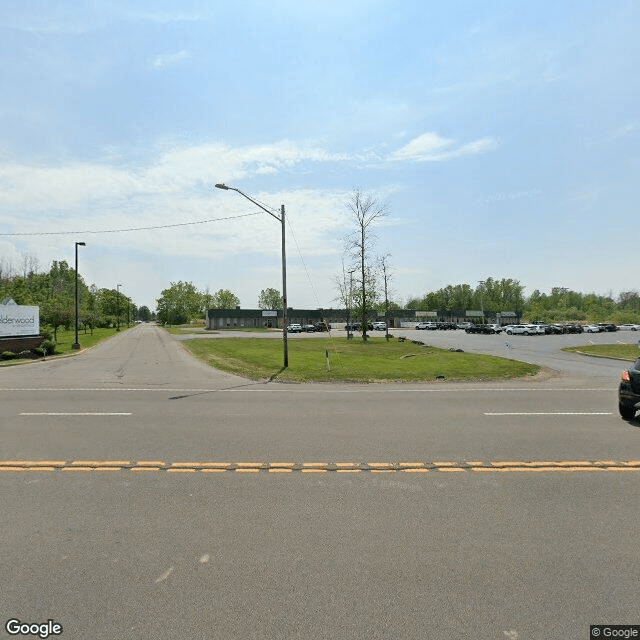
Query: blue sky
x=503, y=137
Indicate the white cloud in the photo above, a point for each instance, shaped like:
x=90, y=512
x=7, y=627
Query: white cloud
x=176, y=187
x=431, y=147
x=165, y=60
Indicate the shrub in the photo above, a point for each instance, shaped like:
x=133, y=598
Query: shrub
x=48, y=345
x=7, y=355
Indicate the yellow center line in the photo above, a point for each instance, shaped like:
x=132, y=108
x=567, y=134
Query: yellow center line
x=476, y=466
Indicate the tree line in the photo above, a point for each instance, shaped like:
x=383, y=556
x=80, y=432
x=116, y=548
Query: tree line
x=182, y=302
x=560, y=305
x=54, y=292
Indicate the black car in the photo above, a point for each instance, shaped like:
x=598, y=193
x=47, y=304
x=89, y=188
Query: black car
x=356, y=326
x=607, y=326
x=479, y=328
x=553, y=329
x=572, y=328
x=629, y=391
x=321, y=326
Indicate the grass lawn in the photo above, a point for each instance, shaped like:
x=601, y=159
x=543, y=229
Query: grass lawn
x=374, y=361
x=67, y=338
x=620, y=351
x=181, y=329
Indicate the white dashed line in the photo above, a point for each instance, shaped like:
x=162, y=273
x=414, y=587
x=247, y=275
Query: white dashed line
x=69, y=413
x=550, y=413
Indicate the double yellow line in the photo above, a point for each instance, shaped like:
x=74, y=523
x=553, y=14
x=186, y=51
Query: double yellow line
x=476, y=466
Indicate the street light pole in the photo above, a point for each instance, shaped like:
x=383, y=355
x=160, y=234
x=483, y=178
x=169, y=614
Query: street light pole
x=76, y=344
x=118, y=307
x=280, y=219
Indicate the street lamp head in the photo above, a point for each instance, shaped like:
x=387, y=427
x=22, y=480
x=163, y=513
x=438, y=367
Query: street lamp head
x=81, y=244
x=222, y=186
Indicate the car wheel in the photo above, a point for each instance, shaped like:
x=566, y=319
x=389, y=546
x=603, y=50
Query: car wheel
x=628, y=413
x=509, y=333
x=525, y=333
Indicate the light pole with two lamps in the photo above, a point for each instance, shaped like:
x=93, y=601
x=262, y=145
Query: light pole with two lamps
x=280, y=219
x=76, y=344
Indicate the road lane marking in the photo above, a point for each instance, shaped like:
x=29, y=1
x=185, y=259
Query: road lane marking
x=191, y=467
x=549, y=413
x=75, y=413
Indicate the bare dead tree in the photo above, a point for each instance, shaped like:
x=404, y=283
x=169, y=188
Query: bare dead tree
x=29, y=264
x=366, y=210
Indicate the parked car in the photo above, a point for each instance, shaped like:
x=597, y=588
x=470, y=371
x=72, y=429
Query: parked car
x=294, y=328
x=464, y=325
x=629, y=391
x=607, y=326
x=538, y=329
x=309, y=328
x=495, y=328
x=629, y=327
x=321, y=326
x=591, y=328
x=379, y=326
x=572, y=328
x=427, y=325
x=519, y=329
x=553, y=329
x=446, y=325
x=355, y=326
x=479, y=328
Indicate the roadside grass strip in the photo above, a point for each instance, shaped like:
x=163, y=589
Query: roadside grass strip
x=355, y=361
x=449, y=466
x=619, y=351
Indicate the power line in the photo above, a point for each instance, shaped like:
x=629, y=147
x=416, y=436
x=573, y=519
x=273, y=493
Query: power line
x=161, y=226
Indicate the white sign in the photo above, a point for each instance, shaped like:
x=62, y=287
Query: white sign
x=269, y=314
x=426, y=314
x=16, y=320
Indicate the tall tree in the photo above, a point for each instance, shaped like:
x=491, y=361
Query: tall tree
x=178, y=304
x=270, y=298
x=365, y=211
x=224, y=299
x=144, y=314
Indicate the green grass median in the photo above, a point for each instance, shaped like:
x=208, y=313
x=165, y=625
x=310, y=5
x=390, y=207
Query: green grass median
x=617, y=351
x=336, y=359
x=66, y=339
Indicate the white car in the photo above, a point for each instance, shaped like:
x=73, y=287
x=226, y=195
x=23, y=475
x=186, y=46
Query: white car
x=591, y=328
x=629, y=327
x=537, y=329
x=521, y=329
x=496, y=328
x=294, y=328
x=380, y=326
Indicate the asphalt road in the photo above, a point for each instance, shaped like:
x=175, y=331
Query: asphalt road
x=170, y=500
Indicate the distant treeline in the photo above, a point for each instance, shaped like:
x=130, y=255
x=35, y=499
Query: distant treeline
x=561, y=304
